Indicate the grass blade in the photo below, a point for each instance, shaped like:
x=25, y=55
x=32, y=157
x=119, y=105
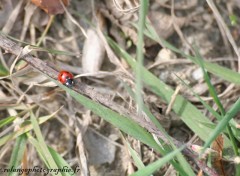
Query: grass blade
x=215, y=69
x=17, y=154
x=151, y=168
x=213, y=93
x=46, y=154
x=183, y=162
x=63, y=164
x=25, y=127
x=140, y=45
x=38, y=148
x=223, y=123
x=125, y=124
x=3, y=70
x=211, y=89
x=136, y=158
x=190, y=115
x=7, y=121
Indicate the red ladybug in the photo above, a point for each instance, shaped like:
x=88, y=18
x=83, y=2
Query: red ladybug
x=66, y=78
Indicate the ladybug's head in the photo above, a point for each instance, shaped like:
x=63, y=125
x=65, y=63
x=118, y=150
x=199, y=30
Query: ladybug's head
x=69, y=82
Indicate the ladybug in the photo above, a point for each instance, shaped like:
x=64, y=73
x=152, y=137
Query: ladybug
x=66, y=78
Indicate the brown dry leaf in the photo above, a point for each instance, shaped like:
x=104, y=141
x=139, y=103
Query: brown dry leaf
x=217, y=159
x=93, y=52
x=52, y=7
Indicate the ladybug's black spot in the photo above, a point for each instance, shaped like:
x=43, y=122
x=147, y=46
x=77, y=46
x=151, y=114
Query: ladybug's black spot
x=69, y=82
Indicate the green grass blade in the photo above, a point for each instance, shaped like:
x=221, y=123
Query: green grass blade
x=7, y=121
x=63, y=164
x=215, y=69
x=183, y=162
x=125, y=124
x=232, y=122
x=146, y=110
x=23, y=129
x=136, y=158
x=17, y=154
x=140, y=45
x=46, y=154
x=151, y=168
x=211, y=89
x=3, y=70
x=38, y=148
x=10, y=119
x=209, y=108
x=222, y=124
x=213, y=93
x=188, y=113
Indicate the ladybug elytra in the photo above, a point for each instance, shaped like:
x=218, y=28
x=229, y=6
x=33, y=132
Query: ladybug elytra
x=66, y=78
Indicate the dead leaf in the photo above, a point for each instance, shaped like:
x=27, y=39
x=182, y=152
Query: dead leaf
x=93, y=52
x=217, y=159
x=52, y=7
